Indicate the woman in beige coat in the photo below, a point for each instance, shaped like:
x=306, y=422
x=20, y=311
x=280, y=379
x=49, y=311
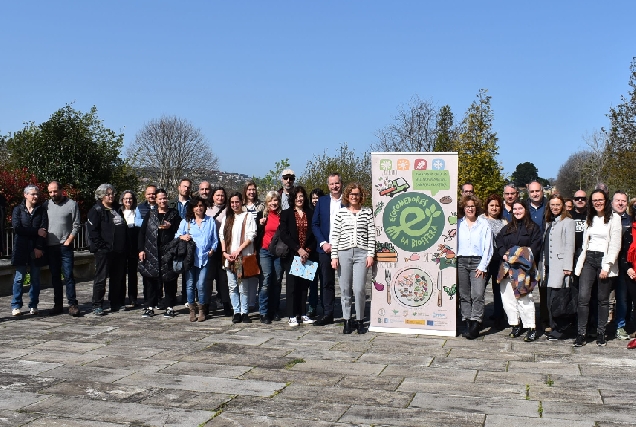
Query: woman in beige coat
x=558, y=257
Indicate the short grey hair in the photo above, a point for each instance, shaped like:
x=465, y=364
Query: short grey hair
x=31, y=187
x=102, y=190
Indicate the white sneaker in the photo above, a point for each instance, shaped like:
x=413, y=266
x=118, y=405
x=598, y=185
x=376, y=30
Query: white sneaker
x=16, y=312
x=306, y=319
x=187, y=304
x=293, y=321
x=34, y=311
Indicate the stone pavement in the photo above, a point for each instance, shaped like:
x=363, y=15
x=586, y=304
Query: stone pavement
x=121, y=369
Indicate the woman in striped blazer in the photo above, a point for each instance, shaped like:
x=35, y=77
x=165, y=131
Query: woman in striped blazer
x=352, y=253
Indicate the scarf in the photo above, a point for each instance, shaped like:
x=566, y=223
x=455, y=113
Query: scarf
x=523, y=272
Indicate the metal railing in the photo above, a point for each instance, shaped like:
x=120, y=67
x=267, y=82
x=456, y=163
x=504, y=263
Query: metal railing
x=80, y=243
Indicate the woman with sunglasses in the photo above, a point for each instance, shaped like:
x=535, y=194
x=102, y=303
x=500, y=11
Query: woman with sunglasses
x=597, y=263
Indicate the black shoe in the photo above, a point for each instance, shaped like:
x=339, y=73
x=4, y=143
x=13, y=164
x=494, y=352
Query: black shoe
x=134, y=303
x=265, y=319
x=236, y=318
x=114, y=308
x=531, y=335
x=361, y=329
x=170, y=313
x=579, y=341
x=348, y=326
x=551, y=337
x=324, y=320
x=148, y=312
x=467, y=329
x=516, y=332
x=276, y=317
x=227, y=309
x=245, y=318
x=57, y=309
x=473, y=330
x=600, y=340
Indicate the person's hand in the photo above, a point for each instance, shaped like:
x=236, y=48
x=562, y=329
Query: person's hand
x=42, y=232
x=38, y=253
x=631, y=274
x=235, y=254
x=68, y=242
x=370, y=261
x=263, y=221
x=210, y=254
x=334, y=264
x=603, y=275
x=185, y=237
x=479, y=273
x=505, y=257
x=142, y=256
x=567, y=272
x=327, y=248
x=304, y=255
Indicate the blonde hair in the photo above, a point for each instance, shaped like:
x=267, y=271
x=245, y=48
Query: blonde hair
x=271, y=195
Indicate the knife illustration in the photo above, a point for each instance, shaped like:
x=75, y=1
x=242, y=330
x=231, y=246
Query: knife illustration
x=439, y=288
x=387, y=277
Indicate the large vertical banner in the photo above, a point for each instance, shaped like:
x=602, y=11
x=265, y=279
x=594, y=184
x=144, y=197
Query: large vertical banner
x=415, y=208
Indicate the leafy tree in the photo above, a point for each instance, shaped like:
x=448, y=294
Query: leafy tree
x=351, y=167
x=446, y=137
x=413, y=129
x=272, y=180
x=170, y=148
x=620, y=149
x=524, y=174
x=478, y=149
x=72, y=147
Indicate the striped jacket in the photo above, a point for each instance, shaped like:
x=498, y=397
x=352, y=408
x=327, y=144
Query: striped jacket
x=353, y=231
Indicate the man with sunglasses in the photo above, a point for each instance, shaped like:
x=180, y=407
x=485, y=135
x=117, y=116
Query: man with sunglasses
x=288, y=180
x=579, y=215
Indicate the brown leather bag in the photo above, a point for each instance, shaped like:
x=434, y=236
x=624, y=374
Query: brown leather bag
x=249, y=263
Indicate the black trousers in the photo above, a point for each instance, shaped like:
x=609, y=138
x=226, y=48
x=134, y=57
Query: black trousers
x=131, y=271
x=109, y=265
x=219, y=275
x=328, y=283
x=296, y=290
x=154, y=286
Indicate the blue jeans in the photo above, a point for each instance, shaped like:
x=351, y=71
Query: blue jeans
x=196, y=277
x=61, y=261
x=18, y=281
x=238, y=293
x=272, y=277
x=623, y=300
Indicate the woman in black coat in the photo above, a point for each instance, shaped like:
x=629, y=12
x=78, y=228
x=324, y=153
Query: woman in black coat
x=30, y=222
x=295, y=231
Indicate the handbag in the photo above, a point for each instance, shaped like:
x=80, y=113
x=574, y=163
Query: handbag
x=178, y=261
x=564, y=300
x=277, y=247
x=249, y=263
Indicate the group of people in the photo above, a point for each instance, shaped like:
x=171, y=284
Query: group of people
x=575, y=251
x=237, y=244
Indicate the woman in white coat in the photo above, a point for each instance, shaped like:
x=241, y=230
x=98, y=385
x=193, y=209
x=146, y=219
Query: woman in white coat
x=558, y=257
x=598, y=261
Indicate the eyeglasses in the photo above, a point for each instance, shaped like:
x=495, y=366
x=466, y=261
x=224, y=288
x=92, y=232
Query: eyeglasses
x=579, y=199
x=598, y=200
x=289, y=177
x=469, y=207
x=354, y=194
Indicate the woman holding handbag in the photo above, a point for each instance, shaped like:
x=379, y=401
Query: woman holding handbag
x=296, y=233
x=558, y=260
x=201, y=229
x=238, y=231
x=267, y=222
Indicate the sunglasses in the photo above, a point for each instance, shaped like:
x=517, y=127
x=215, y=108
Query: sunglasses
x=289, y=177
x=579, y=199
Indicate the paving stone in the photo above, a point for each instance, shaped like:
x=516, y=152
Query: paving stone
x=205, y=369
x=290, y=344
x=129, y=350
x=13, y=399
x=465, y=389
x=547, y=367
x=14, y=418
x=8, y=353
x=346, y=396
x=237, y=339
x=119, y=412
x=480, y=364
x=81, y=373
x=25, y=367
x=307, y=409
x=493, y=355
x=136, y=365
x=410, y=417
x=523, y=378
x=344, y=368
x=186, y=399
x=76, y=347
x=583, y=411
x=498, y=420
x=478, y=405
x=408, y=360
x=66, y=422
x=429, y=373
x=617, y=396
x=68, y=358
x=98, y=391
x=343, y=356
x=31, y=383
x=232, y=419
x=206, y=384
x=293, y=376
x=89, y=330
x=370, y=383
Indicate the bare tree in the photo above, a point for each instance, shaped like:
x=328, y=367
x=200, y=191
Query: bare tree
x=414, y=128
x=170, y=148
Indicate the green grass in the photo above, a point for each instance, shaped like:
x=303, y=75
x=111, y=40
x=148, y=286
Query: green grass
x=291, y=363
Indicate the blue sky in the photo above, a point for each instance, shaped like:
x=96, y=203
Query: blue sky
x=266, y=80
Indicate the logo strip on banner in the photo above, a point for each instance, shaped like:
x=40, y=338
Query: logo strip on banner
x=415, y=211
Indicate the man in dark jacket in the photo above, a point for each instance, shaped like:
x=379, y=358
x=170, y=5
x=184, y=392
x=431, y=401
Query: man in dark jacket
x=181, y=205
x=30, y=222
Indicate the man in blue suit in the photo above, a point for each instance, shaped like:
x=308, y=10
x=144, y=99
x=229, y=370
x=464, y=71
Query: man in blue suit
x=321, y=225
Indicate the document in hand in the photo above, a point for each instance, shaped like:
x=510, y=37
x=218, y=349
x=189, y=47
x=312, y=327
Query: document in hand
x=306, y=271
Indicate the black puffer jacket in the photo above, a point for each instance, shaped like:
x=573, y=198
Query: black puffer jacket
x=25, y=229
x=152, y=240
x=177, y=249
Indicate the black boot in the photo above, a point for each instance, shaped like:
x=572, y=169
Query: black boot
x=473, y=331
x=348, y=326
x=361, y=329
x=466, y=332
